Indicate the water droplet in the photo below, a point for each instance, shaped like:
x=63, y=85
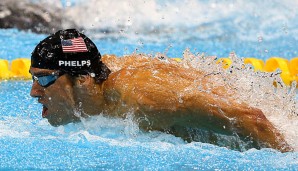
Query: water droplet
x=260, y=39
x=232, y=54
x=50, y=55
x=59, y=119
x=68, y=3
x=180, y=100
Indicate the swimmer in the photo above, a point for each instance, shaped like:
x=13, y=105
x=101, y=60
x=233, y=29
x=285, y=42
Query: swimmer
x=71, y=80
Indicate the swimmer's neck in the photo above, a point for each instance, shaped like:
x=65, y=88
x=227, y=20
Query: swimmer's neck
x=89, y=98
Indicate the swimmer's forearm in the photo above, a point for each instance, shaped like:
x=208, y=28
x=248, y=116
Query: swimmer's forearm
x=254, y=123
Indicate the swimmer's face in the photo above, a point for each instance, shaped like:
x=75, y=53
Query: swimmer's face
x=57, y=98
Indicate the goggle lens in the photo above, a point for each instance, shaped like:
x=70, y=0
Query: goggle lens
x=45, y=80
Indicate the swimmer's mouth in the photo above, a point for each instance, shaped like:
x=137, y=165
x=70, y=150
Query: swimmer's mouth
x=44, y=111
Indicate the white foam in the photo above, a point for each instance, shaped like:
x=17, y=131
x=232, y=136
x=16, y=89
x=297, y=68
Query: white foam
x=9, y=127
x=115, y=132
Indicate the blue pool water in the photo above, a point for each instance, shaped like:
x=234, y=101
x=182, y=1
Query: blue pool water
x=28, y=142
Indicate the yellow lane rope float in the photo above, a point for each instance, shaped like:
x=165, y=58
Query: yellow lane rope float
x=18, y=68
x=289, y=69
x=293, y=66
x=258, y=64
x=4, y=71
x=275, y=63
x=225, y=62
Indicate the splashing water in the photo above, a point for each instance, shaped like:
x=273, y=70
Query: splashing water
x=260, y=29
x=278, y=103
x=110, y=140
x=254, y=88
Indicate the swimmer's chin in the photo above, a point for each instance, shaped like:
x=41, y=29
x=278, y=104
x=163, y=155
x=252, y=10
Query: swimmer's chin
x=60, y=122
x=57, y=123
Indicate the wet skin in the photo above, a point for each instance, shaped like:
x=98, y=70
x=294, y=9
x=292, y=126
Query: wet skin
x=57, y=99
x=68, y=98
x=161, y=96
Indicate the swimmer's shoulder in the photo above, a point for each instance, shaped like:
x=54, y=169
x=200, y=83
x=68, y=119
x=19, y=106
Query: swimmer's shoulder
x=125, y=80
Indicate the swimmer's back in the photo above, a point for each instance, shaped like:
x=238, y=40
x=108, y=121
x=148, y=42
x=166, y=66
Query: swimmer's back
x=170, y=95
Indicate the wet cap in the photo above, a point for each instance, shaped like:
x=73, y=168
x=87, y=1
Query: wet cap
x=69, y=51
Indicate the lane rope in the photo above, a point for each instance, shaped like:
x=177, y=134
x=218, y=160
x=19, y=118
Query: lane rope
x=19, y=68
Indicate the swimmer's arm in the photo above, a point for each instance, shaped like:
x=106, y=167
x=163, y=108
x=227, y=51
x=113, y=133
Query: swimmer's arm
x=250, y=122
x=130, y=89
x=241, y=119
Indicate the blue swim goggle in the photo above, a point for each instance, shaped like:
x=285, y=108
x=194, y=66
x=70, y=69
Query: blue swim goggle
x=46, y=80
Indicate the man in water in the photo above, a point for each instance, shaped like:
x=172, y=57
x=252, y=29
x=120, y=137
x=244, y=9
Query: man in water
x=71, y=81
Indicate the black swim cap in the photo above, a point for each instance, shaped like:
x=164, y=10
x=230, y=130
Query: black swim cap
x=69, y=51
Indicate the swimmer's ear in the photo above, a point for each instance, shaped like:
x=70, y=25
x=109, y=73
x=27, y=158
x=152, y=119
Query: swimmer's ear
x=84, y=80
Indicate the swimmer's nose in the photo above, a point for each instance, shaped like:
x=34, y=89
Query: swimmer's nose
x=36, y=90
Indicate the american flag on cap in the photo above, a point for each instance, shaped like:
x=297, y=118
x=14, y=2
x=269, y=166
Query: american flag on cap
x=74, y=45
